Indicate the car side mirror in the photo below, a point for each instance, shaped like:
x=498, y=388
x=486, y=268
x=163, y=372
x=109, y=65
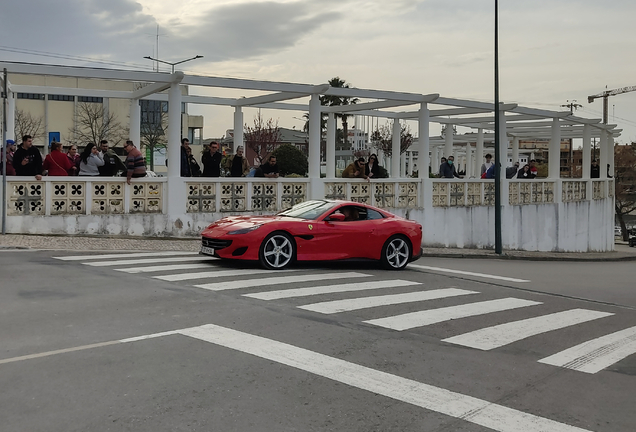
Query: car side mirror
x=336, y=217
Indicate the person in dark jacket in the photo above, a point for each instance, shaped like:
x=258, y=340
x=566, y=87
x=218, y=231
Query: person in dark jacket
x=185, y=162
x=211, y=161
x=595, y=170
x=525, y=173
x=447, y=170
x=27, y=159
x=511, y=172
x=372, y=168
x=112, y=162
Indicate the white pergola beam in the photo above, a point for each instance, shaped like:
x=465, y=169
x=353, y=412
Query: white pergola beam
x=365, y=106
x=71, y=91
x=156, y=87
x=380, y=94
x=542, y=113
x=83, y=72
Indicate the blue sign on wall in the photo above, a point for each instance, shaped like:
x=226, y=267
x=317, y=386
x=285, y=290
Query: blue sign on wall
x=54, y=136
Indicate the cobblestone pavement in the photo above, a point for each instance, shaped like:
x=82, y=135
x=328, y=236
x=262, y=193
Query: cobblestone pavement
x=95, y=243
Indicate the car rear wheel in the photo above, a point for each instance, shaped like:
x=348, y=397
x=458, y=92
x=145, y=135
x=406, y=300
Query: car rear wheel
x=396, y=253
x=277, y=251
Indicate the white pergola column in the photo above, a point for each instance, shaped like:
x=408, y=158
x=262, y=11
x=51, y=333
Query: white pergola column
x=174, y=131
x=479, y=152
x=135, y=122
x=314, y=137
x=238, y=129
x=331, y=146
x=554, y=151
x=603, y=152
x=11, y=117
x=403, y=172
x=610, y=153
x=395, y=149
x=470, y=165
x=424, y=158
x=435, y=160
x=448, y=148
x=587, y=151
x=515, y=150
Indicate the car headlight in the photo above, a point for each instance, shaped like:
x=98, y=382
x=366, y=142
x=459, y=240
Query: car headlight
x=245, y=230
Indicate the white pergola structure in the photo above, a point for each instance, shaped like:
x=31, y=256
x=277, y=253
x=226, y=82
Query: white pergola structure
x=516, y=123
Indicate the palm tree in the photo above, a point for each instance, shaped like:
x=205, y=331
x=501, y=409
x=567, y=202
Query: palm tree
x=339, y=101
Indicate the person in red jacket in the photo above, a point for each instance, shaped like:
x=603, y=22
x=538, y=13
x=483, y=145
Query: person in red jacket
x=56, y=162
x=10, y=150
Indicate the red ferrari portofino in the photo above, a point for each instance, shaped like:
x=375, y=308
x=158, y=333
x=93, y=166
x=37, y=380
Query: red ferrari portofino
x=320, y=230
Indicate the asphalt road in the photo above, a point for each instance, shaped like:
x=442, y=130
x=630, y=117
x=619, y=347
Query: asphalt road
x=111, y=344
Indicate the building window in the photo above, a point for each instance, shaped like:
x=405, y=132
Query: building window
x=36, y=96
x=91, y=99
x=65, y=98
x=152, y=116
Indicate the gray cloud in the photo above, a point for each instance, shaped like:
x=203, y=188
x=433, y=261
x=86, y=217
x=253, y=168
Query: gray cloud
x=250, y=29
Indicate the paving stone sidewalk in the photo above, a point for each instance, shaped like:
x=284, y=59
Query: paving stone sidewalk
x=103, y=243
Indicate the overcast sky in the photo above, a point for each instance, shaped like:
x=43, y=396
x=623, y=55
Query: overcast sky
x=550, y=51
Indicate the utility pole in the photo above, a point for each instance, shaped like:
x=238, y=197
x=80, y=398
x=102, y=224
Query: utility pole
x=573, y=107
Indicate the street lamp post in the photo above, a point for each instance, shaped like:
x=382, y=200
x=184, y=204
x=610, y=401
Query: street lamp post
x=498, y=156
x=175, y=63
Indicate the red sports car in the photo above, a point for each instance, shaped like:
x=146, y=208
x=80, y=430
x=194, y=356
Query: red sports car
x=319, y=230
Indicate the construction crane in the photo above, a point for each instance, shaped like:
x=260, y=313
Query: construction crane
x=606, y=94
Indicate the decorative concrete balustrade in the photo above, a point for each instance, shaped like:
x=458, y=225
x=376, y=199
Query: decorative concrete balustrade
x=84, y=196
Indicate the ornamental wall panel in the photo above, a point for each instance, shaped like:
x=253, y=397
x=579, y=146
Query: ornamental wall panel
x=25, y=198
x=489, y=193
x=457, y=194
x=336, y=190
x=440, y=194
x=598, y=190
x=68, y=198
x=407, y=195
x=473, y=193
x=293, y=193
x=146, y=198
x=201, y=198
x=610, y=189
x=264, y=196
x=573, y=191
x=384, y=195
x=107, y=198
x=360, y=192
x=233, y=197
x=513, y=193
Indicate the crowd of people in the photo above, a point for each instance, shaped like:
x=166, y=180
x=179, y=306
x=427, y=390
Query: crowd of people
x=26, y=160
x=214, y=164
x=529, y=170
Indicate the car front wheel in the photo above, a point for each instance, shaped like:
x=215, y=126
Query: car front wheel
x=277, y=251
x=396, y=253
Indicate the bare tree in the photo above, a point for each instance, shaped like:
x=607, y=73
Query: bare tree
x=94, y=123
x=625, y=183
x=154, y=124
x=382, y=139
x=263, y=137
x=26, y=124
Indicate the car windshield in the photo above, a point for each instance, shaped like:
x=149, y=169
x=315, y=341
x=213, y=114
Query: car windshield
x=308, y=209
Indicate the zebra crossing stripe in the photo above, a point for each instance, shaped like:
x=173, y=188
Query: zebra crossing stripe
x=123, y=255
x=453, y=404
x=496, y=336
x=220, y=286
x=336, y=306
x=466, y=273
x=597, y=354
x=328, y=289
x=216, y=273
x=147, y=261
x=433, y=316
x=168, y=267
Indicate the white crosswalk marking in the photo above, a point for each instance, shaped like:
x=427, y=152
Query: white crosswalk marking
x=493, y=337
x=328, y=289
x=148, y=261
x=428, y=317
x=467, y=408
x=216, y=273
x=597, y=354
x=461, y=272
x=123, y=255
x=219, y=286
x=169, y=267
x=336, y=306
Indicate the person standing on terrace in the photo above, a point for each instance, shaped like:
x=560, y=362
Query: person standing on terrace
x=135, y=163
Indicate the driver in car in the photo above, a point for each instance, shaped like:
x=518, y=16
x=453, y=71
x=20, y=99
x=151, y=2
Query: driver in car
x=350, y=213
